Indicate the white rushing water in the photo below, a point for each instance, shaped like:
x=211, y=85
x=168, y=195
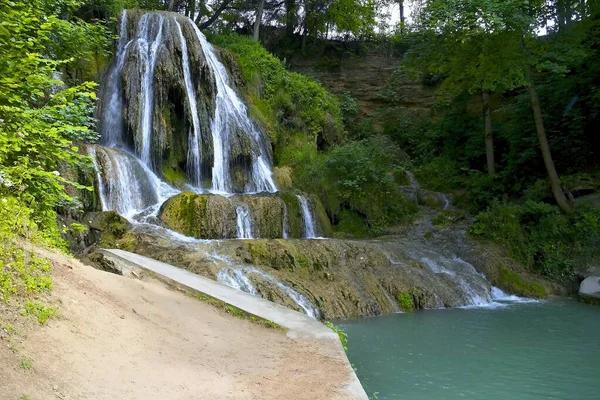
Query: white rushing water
x=148, y=45
x=112, y=124
x=307, y=218
x=231, y=114
x=194, y=156
x=238, y=278
x=286, y=223
x=125, y=184
x=244, y=226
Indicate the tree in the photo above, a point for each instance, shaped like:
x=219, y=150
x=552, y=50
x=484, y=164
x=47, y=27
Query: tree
x=492, y=46
x=39, y=121
x=257, y=21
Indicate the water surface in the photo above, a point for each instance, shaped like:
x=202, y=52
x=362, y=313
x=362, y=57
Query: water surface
x=546, y=350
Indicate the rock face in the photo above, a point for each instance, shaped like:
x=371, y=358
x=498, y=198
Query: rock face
x=209, y=216
x=422, y=268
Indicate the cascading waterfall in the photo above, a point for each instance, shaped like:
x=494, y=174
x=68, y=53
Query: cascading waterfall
x=238, y=279
x=231, y=114
x=148, y=49
x=244, y=222
x=194, y=156
x=307, y=218
x=125, y=184
x=112, y=124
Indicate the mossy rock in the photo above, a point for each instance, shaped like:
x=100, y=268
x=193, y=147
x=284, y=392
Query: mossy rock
x=283, y=177
x=208, y=216
x=111, y=226
x=588, y=299
x=199, y=215
x=521, y=285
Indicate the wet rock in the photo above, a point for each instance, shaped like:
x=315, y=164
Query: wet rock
x=208, y=216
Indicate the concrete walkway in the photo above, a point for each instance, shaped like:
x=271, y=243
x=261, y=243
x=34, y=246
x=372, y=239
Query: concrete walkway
x=299, y=326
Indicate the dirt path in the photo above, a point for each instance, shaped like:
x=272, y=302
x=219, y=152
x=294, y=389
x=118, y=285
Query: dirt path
x=121, y=338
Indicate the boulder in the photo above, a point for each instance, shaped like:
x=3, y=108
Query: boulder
x=590, y=286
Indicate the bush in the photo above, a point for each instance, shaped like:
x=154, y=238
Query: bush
x=296, y=102
x=541, y=237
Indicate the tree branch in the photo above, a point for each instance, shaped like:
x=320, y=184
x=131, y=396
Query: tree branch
x=215, y=15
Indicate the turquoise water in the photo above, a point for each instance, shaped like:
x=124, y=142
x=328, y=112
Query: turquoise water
x=546, y=350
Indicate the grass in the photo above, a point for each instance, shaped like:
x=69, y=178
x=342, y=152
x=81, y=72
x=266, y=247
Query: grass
x=41, y=312
x=236, y=312
x=26, y=364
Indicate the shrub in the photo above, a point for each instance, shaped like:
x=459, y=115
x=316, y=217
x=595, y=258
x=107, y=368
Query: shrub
x=543, y=238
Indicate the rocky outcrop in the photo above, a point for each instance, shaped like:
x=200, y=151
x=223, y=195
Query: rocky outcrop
x=348, y=278
x=209, y=216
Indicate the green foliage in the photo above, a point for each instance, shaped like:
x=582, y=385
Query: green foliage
x=41, y=312
x=541, y=237
x=516, y=283
x=38, y=120
x=341, y=334
x=405, y=301
x=295, y=101
x=26, y=364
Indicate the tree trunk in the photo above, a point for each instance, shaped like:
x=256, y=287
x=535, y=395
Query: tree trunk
x=559, y=195
x=259, y=13
x=489, y=137
x=401, y=5
x=172, y=4
x=290, y=17
x=192, y=9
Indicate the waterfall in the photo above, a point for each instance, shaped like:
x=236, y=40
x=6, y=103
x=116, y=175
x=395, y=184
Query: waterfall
x=230, y=115
x=194, y=156
x=473, y=286
x=148, y=48
x=307, y=218
x=244, y=222
x=112, y=124
x=286, y=223
x=238, y=278
x=127, y=188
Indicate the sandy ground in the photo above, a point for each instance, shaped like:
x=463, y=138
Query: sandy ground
x=122, y=338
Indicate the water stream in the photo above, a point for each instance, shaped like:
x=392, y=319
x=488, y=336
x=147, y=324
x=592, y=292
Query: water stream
x=307, y=218
x=194, y=156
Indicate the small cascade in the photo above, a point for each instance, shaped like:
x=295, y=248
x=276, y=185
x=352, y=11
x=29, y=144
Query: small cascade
x=194, y=156
x=231, y=115
x=307, y=218
x=244, y=222
x=127, y=187
x=414, y=186
x=286, y=223
x=125, y=184
x=238, y=278
x=473, y=286
x=148, y=45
